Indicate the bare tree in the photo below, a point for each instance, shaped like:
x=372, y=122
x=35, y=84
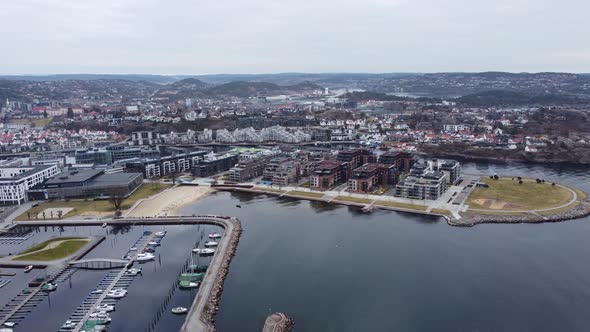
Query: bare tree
x=44, y=217
x=116, y=197
x=59, y=214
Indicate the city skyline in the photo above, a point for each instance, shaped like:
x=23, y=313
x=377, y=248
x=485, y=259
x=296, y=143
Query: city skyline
x=373, y=36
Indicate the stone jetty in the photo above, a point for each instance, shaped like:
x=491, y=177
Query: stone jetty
x=212, y=305
x=278, y=322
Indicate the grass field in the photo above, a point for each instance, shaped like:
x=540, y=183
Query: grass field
x=64, y=249
x=506, y=194
x=402, y=205
x=272, y=190
x=305, y=193
x=44, y=244
x=100, y=206
x=353, y=199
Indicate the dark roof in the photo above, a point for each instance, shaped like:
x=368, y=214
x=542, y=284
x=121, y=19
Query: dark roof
x=32, y=170
x=74, y=176
x=115, y=178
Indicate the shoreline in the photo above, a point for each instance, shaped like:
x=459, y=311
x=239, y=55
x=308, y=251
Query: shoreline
x=168, y=202
x=580, y=211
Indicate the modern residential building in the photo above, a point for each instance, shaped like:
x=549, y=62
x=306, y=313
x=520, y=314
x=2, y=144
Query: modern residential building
x=452, y=169
x=163, y=166
x=143, y=138
x=428, y=179
x=356, y=158
x=371, y=177
x=15, y=181
x=328, y=174
x=89, y=184
x=213, y=164
x=403, y=161
x=249, y=168
x=282, y=171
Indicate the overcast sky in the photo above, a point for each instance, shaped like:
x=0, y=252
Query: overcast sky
x=266, y=36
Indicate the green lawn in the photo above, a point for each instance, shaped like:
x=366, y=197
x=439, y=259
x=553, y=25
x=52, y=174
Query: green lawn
x=507, y=194
x=402, y=205
x=272, y=190
x=305, y=193
x=98, y=206
x=44, y=244
x=353, y=199
x=62, y=250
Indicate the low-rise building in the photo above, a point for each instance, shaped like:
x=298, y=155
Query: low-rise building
x=90, y=184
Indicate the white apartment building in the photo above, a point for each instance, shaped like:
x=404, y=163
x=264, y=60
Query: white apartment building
x=15, y=181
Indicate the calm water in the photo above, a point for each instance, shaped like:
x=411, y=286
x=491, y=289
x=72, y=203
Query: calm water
x=150, y=296
x=333, y=268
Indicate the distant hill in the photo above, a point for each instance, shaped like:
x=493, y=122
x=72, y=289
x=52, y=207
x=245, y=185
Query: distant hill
x=87, y=77
x=251, y=89
x=189, y=83
x=515, y=98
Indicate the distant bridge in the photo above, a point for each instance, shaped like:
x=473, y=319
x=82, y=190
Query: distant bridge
x=100, y=263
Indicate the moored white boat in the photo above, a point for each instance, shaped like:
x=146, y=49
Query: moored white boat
x=28, y=268
x=49, y=287
x=134, y=271
x=97, y=291
x=211, y=244
x=144, y=257
x=205, y=251
x=69, y=325
x=106, y=307
x=116, y=293
x=179, y=310
x=160, y=234
x=214, y=236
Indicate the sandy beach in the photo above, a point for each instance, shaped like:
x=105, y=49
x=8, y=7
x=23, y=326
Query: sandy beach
x=169, y=202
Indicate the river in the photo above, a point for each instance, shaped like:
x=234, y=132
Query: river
x=333, y=268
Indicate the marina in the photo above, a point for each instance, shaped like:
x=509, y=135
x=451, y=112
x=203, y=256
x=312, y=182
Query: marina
x=116, y=283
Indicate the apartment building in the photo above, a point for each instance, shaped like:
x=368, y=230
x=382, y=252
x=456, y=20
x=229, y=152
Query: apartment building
x=15, y=181
x=328, y=174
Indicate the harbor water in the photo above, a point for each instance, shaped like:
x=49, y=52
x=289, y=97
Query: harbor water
x=334, y=268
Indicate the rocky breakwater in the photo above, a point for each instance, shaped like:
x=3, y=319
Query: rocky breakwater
x=580, y=211
x=212, y=305
x=278, y=322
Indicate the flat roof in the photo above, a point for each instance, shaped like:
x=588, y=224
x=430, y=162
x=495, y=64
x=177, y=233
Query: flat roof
x=74, y=176
x=31, y=171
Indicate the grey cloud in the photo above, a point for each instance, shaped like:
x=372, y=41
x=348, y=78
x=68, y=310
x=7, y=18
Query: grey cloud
x=196, y=36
